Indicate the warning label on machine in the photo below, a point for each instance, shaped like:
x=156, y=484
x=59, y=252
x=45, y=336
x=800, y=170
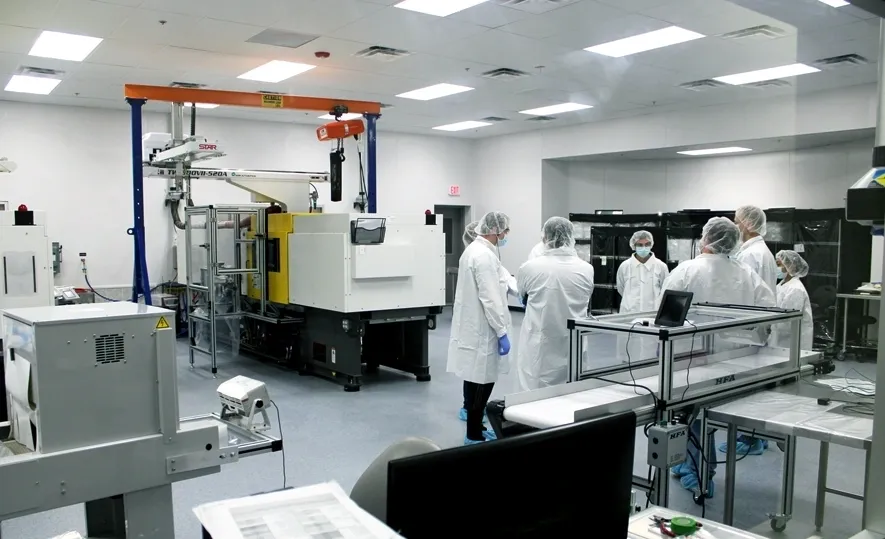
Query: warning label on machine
x=272, y=101
x=162, y=323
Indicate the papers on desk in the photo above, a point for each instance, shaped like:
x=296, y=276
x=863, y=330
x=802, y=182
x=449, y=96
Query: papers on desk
x=313, y=512
x=855, y=386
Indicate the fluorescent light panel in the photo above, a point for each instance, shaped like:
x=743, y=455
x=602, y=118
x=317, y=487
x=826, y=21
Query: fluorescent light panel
x=462, y=126
x=31, y=85
x=771, y=73
x=440, y=8
x=435, y=92
x=64, y=46
x=348, y=116
x=716, y=151
x=556, y=109
x=206, y=106
x=276, y=71
x=645, y=42
x=835, y=3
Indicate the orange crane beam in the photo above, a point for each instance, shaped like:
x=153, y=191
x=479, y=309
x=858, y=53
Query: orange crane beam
x=247, y=99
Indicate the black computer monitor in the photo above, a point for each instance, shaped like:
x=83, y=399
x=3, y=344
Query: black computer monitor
x=569, y=481
x=673, y=309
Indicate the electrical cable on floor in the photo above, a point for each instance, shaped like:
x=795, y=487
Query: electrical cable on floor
x=283, y=450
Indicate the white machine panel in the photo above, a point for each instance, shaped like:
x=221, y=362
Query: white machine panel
x=25, y=263
x=327, y=271
x=82, y=375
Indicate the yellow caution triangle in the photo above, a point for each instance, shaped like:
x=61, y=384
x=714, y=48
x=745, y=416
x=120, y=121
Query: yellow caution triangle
x=162, y=323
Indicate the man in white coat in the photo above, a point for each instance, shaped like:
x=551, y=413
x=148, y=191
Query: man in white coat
x=752, y=223
x=558, y=286
x=478, y=345
x=715, y=277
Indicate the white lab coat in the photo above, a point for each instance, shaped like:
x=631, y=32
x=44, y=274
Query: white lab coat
x=757, y=255
x=792, y=295
x=719, y=279
x=559, y=286
x=480, y=316
x=537, y=250
x=639, y=284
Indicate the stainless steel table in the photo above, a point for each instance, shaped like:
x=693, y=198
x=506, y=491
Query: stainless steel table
x=845, y=297
x=783, y=417
x=640, y=526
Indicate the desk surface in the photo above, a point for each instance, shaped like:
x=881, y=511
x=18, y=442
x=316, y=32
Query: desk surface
x=795, y=415
x=640, y=526
x=875, y=297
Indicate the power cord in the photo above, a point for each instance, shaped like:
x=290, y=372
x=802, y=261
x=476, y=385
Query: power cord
x=283, y=451
x=690, y=358
x=629, y=360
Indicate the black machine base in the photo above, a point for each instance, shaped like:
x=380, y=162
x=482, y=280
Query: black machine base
x=344, y=347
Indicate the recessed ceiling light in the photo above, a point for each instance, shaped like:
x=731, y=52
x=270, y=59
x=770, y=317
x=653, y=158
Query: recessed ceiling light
x=771, y=73
x=645, y=42
x=556, y=109
x=64, y=46
x=31, y=85
x=434, y=92
x=347, y=116
x=276, y=71
x=206, y=105
x=461, y=126
x=715, y=151
x=835, y=3
x=440, y=8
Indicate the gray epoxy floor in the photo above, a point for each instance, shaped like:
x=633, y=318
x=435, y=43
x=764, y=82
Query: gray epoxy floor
x=333, y=435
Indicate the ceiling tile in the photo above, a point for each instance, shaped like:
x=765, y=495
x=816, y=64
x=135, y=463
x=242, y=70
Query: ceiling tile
x=593, y=33
x=145, y=27
x=30, y=13
x=634, y=5
x=126, y=53
x=87, y=17
x=130, y=3
x=17, y=39
x=581, y=16
x=325, y=16
x=799, y=14
x=711, y=17
x=490, y=15
x=506, y=50
x=240, y=11
x=409, y=30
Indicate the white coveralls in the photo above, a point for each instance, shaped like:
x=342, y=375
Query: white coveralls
x=537, y=250
x=757, y=255
x=559, y=286
x=639, y=285
x=719, y=279
x=792, y=295
x=480, y=316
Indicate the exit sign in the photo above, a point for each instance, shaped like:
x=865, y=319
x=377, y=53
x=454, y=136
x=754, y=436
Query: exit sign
x=454, y=190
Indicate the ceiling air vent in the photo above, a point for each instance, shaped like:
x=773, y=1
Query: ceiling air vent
x=763, y=31
x=505, y=73
x=493, y=119
x=540, y=119
x=535, y=6
x=39, y=72
x=382, y=54
x=177, y=84
x=845, y=60
x=701, y=85
x=774, y=83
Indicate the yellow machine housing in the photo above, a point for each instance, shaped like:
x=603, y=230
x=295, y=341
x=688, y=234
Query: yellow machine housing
x=279, y=226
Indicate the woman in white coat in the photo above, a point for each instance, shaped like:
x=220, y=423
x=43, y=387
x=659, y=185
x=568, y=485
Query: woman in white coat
x=558, y=285
x=791, y=294
x=479, y=344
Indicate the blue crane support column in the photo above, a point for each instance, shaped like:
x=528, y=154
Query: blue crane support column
x=140, y=281
x=372, y=161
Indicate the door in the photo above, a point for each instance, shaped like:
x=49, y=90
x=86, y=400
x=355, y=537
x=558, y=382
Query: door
x=454, y=219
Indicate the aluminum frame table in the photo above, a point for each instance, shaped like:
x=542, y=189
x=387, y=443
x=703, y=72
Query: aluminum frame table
x=845, y=297
x=784, y=417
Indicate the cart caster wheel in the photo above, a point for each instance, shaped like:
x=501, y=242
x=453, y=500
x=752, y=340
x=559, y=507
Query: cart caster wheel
x=422, y=377
x=350, y=388
x=431, y=323
x=778, y=524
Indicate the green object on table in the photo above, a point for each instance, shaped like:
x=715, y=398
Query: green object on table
x=682, y=526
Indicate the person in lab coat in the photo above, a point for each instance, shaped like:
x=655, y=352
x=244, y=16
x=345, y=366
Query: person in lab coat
x=508, y=285
x=558, y=286
x=714, y=276
x=537, y=250
x=479, y=342
x=753, y=252
x=641, y=276
x=791, y=294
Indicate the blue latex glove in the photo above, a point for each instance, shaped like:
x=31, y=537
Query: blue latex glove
x=503, y=345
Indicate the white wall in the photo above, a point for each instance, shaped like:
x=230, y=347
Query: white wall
x=812, y=178
x=75, y=163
